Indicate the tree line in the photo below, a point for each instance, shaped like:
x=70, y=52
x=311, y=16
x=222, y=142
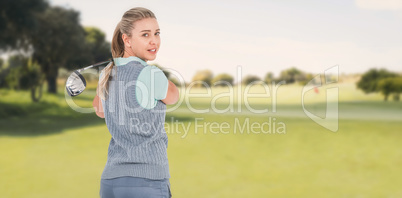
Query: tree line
x=373, y=81
x=205, y=78
x=41, y=39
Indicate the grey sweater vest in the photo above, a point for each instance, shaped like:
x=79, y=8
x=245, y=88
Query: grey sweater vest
x=138, y=146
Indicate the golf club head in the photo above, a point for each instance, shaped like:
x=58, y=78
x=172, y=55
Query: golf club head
x=75, y=84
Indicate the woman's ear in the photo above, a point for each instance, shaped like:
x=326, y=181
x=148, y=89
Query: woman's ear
x=126, y=40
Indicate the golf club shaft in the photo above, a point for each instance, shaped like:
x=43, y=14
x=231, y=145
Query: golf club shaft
x=94, y=65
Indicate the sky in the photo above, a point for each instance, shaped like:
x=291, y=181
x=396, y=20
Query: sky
x=261, y=36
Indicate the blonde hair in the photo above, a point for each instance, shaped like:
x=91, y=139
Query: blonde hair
x=125, y=26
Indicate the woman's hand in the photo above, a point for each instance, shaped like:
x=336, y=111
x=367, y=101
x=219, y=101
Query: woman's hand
x=97, y=104
x=172, y=95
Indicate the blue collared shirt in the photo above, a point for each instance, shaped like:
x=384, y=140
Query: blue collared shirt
x=123, y=61
x=152, y=77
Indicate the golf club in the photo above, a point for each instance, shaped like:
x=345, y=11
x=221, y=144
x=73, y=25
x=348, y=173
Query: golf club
x=76, y=83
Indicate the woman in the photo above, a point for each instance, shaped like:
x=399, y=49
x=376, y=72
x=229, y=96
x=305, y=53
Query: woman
x=132, y=97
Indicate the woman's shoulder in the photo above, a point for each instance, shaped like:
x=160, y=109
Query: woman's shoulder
x=150, y=70
x=135, y=63
x=132, y=60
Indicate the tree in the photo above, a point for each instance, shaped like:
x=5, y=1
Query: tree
x=369, y=80
x=250, y=79
x=99, y=48
x=269, y=77
x=307, y=77
x=391, y=85
x=18, y=22
x=292, y=75
x=35, y=80
x=3, y=73
x=59, y=42
x=15, y=72
x=203, y=78
x=24, y=74
x=222, y=80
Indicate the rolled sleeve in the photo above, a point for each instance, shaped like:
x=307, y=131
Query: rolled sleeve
x=152, y=85
x=161, y=83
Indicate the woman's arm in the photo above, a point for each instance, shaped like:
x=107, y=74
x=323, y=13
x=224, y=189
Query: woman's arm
x=97, y=104
x=172, y=95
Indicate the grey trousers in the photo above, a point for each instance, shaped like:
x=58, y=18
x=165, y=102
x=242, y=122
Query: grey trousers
x=134, y=187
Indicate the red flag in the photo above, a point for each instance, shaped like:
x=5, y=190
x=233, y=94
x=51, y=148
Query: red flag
x=316, y=90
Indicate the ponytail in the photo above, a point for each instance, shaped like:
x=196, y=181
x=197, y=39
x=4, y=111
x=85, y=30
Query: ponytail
x=117, y=51
x=103, y=85
x=117, y=43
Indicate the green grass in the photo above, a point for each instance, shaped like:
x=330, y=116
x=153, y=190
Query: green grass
x=50, y=150
x=305, y=162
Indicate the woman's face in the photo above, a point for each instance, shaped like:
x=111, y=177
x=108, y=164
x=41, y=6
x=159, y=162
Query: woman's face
x=144, y=41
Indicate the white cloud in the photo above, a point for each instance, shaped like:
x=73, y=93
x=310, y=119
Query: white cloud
x=393, y=5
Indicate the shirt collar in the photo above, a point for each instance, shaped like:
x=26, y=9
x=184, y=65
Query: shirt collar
x=122, y=61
